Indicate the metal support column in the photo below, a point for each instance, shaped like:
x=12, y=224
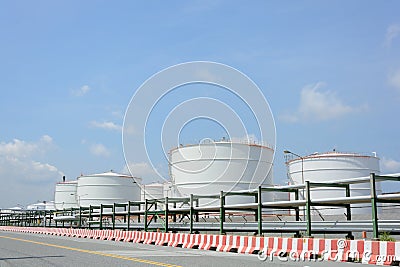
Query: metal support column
x=50, y=217
x=348, y=212
x=101, y=217
x=348, y=206
x=124, y=213
x=308, y=209
x=80, y=216
x=113, y=216
x=145, y=215
x=63, y=222
x=90, y=214
x=129, y=216
x=30, y=216
x=191, y=211
x=197, y=213
x=259, y=210
x=72, y=214
x=174, y=216
x=222, y=213
x=139, y=208
x=256, y=212
x=297, y=209
x=373, y=207
x=155, y=214
x=166, y=215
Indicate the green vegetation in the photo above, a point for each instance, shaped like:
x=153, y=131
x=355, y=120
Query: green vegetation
x=385, y=236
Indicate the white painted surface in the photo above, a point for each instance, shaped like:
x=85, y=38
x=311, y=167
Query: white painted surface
x=65, y=195
x=107, y=188
x=209, y=168
x=333, y=166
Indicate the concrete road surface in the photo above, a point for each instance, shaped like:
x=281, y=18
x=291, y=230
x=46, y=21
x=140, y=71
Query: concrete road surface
x=20, y=249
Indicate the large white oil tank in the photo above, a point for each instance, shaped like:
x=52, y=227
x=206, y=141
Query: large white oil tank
x=333, y=166
x=210, y=167
x=107, y=188
x=65, y=195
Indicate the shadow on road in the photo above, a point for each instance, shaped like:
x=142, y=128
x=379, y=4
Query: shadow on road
x=30, y=257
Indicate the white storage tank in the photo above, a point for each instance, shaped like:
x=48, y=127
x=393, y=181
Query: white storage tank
x=107, y=188
x=211, y=167
x=331, y=166
x=65, y=195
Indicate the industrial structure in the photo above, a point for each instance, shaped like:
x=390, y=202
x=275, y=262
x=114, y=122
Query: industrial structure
x=187, y=215
x=215, y=183
x=331, y=166
x=211, y=167
x=107, y=188
x=65, y=195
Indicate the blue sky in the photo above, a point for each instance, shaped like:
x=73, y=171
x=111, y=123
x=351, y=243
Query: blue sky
x=330, y=71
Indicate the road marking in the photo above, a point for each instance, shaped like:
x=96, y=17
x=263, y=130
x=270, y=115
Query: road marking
x=94, y=252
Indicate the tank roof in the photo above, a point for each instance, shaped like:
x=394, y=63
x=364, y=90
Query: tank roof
x=222, y=142
x=68, y=182
x=111, y=174
x=333, y=154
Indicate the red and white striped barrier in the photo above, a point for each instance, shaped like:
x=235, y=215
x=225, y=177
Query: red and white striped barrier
x=174, y=240
x=164, y=239
x=207, y=242
x=249, y=244
x=368, y=252
x=136, y=239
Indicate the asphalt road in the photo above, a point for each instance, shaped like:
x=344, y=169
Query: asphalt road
x=19, y=249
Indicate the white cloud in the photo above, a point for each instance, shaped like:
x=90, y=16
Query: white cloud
x=107, y=125
x=391, y=33
x=28, y=170
x=17, y=148
x=21, y=172
x=99, y=150
x=390, y=165
x=142, y=170
x=46, y=139
x=22, y=149
x=317, y=105
x=394, y=79
x=81, y=91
